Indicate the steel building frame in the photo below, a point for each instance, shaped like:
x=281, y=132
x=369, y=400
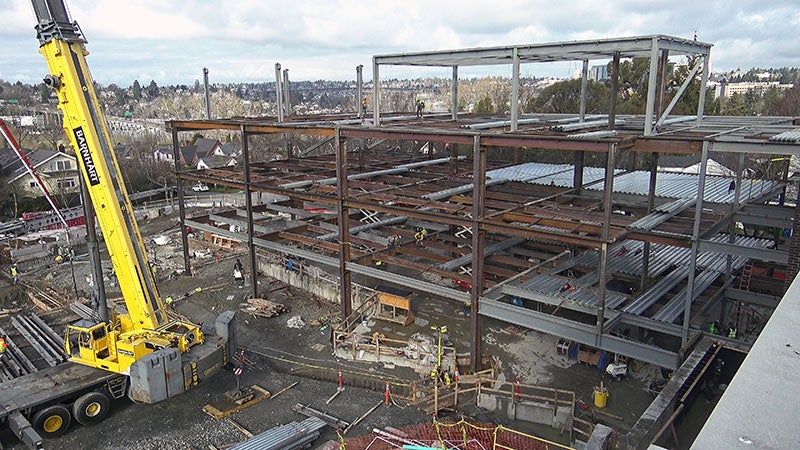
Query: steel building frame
x=454, y=193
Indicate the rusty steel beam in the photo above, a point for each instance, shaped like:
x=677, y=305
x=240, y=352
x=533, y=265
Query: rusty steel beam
x=478, y=243
x=666, y=145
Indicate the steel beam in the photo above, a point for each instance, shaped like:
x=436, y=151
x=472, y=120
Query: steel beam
x=755, y=298
x=762, y=254
x=576, y=331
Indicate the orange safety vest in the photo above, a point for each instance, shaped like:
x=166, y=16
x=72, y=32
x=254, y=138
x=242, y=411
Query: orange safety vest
x=2, y=346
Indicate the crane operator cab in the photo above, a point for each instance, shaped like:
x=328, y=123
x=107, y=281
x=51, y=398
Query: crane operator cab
x=111, y=348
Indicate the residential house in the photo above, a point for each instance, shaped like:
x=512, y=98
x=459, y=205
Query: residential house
x=58, y=171
x=163, y=154
x=209, y=162
x=125, y=151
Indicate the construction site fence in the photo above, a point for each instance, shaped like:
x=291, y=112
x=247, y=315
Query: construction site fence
x=521, y=392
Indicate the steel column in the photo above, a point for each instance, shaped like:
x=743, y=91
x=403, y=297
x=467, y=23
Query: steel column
x=248, y=199
x=176, y=155
x=360, y=91
x=478, y=200
x=577, y=175
x=515, y=90
x=612, y=104
x=701, y=102
x=651, y=201
x=345, y=275
x=278, y=92
x=608, y=189
x=287, y=100
x=207, y=93
x=584, y=89
x=698, y=211
x=454, y=94
x=376, y=92
x=651, y=88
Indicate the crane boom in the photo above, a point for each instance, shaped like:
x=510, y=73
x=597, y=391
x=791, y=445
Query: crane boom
x=62, y=44
x=143, y=338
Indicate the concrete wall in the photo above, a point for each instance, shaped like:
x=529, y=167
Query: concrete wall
x=526, y=410
x=316, y=282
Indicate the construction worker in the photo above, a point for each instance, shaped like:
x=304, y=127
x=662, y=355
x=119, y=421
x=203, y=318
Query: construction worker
x=732, y=331
x=3, y=347
x=419, y=236
x=713, y=327
x=14, y=274
x=420, y=107
x=364, y=104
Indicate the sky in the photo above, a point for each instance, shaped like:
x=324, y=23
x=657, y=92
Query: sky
x=241, y=40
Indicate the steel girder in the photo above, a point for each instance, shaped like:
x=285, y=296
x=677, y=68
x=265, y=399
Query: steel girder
x=578, y=332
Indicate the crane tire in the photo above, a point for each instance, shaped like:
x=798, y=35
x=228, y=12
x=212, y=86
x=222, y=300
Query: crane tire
x=91, y=408
x=51, y=422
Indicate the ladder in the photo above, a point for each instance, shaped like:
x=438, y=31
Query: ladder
x=741, y=307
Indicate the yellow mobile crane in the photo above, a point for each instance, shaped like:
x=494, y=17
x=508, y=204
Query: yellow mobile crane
x=140, y=351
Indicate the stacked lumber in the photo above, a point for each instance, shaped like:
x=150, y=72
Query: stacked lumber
x=262, y=308
x=8, y=312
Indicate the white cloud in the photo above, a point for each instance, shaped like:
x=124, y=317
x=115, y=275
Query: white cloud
x=240, y=41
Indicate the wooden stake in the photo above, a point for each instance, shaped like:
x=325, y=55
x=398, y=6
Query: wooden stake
x=285, y=389
x=361, y=418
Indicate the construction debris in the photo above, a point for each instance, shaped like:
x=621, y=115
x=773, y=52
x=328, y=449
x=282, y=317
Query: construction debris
x=295, y=322
x=262, y=308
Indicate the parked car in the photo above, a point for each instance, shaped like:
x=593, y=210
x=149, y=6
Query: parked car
x=200, y=187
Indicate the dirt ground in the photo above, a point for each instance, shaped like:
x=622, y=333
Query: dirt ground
x=278, y=353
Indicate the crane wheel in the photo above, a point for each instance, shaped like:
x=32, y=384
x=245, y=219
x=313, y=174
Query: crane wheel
x=91, y=408
x=52, y=421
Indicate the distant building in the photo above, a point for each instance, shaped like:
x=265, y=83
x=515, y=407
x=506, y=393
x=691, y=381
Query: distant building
x=163, y=154
x=759, y=87
x=598, y=73
x=208, y=162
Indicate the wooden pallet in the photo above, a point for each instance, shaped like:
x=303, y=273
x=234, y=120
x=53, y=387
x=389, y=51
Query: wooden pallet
x=236, y=401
